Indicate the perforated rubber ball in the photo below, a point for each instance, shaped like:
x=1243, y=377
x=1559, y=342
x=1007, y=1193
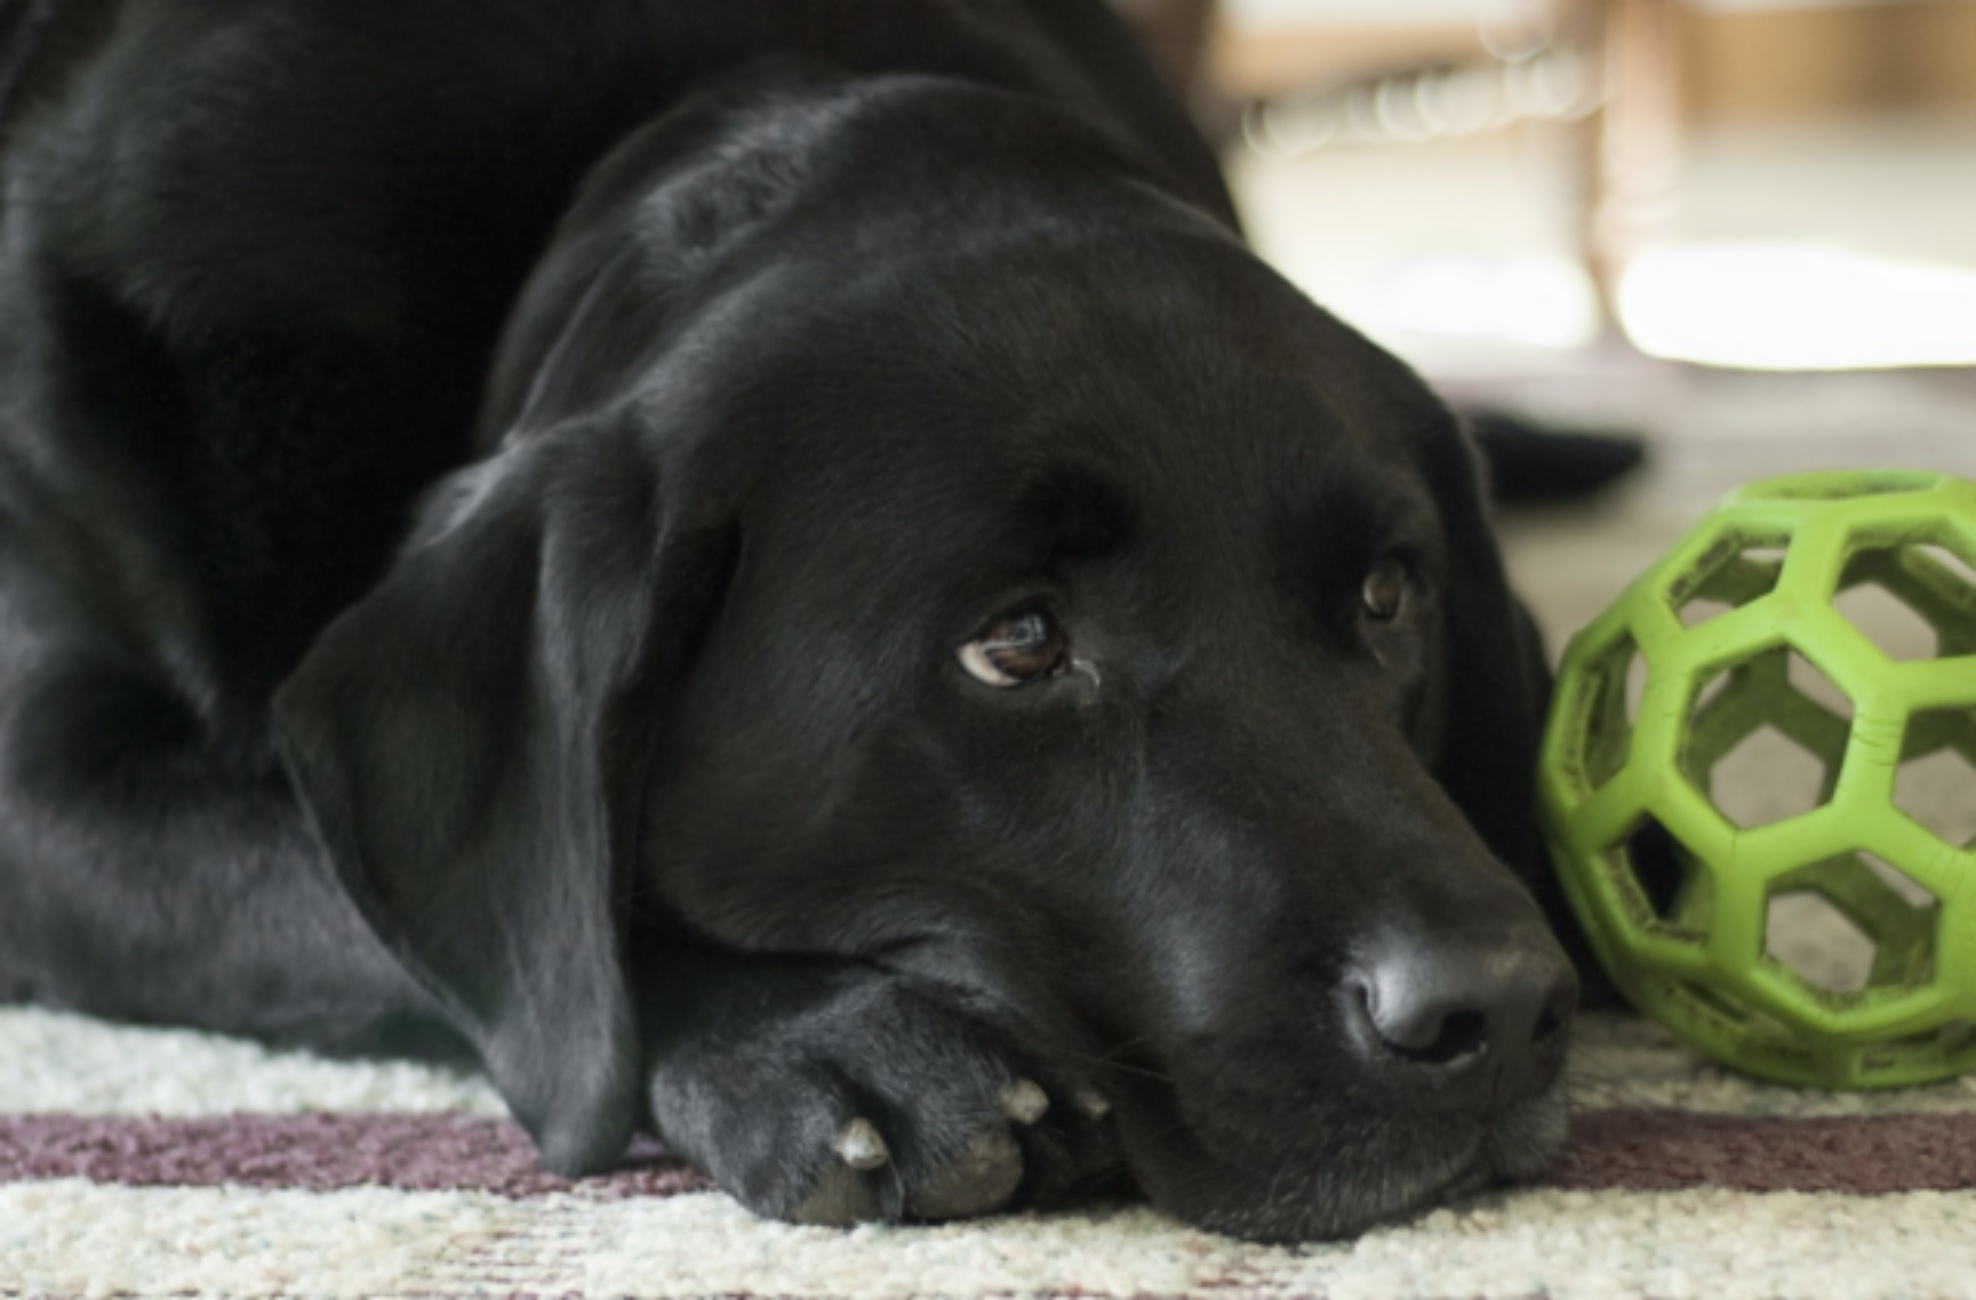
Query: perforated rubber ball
x=1759, y=781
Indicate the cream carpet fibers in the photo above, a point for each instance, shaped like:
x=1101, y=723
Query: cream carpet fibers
x=153, y=1162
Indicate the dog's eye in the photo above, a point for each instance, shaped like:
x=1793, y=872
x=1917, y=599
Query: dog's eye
x=1385, y=591
x=1016, y=649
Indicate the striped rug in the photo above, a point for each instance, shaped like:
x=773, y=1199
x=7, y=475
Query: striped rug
x=165, y=1163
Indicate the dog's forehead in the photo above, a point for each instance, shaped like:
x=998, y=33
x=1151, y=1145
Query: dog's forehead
x=970, y=413
x=1172, y=364
x=1254, y=490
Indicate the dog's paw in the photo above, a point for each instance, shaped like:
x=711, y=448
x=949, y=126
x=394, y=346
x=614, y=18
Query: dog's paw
x=869, y=1104
x=978, y=1179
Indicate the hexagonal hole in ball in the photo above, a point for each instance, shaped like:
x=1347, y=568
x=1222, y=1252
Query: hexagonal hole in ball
x=1615, y=680
x=1817, y=942
x=1730, y=575
x=1767, y=738
x=1677, y=893
x=1914, y=601
x=1850, y=924
x=1889, y=622
x=1936, y=781
x=1766, y=778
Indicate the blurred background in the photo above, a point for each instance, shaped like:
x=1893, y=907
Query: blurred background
x=1743, y=231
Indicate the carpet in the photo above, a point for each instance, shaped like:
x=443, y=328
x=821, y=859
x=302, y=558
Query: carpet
x=152, y=1162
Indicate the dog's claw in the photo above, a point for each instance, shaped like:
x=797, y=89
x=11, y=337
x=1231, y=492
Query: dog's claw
x=860, y=1145
x=1024, y=1102
x=1090, y=1104
x=843, y=1196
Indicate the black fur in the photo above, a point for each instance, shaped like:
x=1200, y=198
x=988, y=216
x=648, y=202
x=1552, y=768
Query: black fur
x=491, y=495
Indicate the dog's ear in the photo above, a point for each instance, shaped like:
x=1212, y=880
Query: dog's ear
x=1498, y=681
x=469, y=738
x=1499, y=693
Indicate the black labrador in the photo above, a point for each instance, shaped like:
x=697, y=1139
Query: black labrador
x=774, y=570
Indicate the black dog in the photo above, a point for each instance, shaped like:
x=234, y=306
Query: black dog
x=773, y=569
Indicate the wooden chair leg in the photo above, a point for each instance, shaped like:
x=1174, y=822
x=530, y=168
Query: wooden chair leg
x=1629, y=150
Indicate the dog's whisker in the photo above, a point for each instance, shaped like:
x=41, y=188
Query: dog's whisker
x=1109, y=1064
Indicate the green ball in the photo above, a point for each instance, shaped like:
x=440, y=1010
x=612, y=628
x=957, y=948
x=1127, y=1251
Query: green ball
x=1736, y=643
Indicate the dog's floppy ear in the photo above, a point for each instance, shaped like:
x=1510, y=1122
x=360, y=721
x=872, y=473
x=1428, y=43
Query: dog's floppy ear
x=1499, y=694
x=1499, y=683
x=468, y=740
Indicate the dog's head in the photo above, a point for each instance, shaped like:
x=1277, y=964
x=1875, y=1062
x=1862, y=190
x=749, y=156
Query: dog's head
x=1030, y=593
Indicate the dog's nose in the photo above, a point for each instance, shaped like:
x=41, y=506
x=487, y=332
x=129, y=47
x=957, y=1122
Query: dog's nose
x=1473, y=1019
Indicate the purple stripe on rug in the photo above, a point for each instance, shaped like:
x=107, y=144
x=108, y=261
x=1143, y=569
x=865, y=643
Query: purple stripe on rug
x=1635, y=1150
x=1647, y=1150
x=316, y=1152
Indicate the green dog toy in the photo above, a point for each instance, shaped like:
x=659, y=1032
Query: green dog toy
x=1741, y=633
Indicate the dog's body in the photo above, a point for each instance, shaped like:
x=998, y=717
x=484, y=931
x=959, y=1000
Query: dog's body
x=773, y=570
